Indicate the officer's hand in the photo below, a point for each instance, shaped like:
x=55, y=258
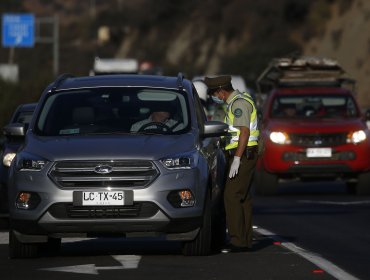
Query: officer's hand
x=234, y=167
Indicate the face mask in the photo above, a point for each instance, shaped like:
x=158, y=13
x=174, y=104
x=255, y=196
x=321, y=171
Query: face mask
x=217, y=100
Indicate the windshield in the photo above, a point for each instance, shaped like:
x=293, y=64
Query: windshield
x=114, y=110
x=314, y=106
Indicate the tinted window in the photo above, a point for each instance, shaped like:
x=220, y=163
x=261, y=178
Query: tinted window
x=114, y=110
x=313, y=106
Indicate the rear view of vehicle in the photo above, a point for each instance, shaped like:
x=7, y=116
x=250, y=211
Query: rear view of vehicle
x=313, y=130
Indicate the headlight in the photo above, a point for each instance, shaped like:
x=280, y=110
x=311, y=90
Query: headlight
x=181, y=161
x=8, y=158
x=356, y=137
x=28, y=162
x=279, y=137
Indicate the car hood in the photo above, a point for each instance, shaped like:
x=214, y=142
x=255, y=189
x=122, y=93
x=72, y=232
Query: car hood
x=150, y=147
x=328, y=125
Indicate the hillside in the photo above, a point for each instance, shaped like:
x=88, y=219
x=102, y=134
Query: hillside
x=346, y=38
x=194, y=37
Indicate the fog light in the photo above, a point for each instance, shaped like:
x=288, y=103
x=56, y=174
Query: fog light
x=27, y=200
x=181, y=198
x=187, y=198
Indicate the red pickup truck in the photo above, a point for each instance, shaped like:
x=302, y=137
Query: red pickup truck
x=312, y=128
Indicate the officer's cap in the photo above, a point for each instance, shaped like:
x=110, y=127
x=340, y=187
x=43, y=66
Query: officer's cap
x=217, y=82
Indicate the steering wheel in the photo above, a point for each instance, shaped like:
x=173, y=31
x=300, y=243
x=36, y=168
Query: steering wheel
x=155, y=126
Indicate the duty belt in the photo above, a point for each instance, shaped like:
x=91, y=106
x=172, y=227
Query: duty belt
x=248, y=151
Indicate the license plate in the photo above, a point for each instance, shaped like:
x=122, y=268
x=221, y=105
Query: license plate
x=318, y=152
x=105, y=198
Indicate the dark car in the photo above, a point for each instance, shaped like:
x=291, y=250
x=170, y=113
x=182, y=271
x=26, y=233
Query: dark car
x=22, y=115
x=88, y=169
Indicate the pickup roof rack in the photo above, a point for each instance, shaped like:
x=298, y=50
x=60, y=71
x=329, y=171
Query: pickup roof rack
x=297, y=71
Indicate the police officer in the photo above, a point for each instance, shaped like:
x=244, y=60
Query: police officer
x=241, y=148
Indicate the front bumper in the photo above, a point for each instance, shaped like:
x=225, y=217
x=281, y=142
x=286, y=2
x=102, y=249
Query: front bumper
x=151, y=213
x=345, y=159
x=157, y=225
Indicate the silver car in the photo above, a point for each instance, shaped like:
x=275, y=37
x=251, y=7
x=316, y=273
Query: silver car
x=84, y=170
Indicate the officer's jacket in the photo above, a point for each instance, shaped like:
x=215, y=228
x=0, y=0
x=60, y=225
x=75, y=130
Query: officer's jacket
x=233, y=138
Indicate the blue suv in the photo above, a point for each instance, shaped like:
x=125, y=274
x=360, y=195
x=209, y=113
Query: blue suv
x=88, y=167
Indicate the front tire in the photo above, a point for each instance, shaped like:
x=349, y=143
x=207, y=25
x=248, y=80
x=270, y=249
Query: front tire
x=3, y=199
x=363, y=186
x=53, y=246
x=201, y=245
x=18, y=249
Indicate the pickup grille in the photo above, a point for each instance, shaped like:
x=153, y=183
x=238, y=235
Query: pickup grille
x=85, y=174
x=318, y=140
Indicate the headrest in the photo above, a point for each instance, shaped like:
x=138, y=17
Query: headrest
x=83, y=115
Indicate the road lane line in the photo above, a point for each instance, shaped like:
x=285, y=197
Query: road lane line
x=342, y=203
x=4, y=238
x=322, y=263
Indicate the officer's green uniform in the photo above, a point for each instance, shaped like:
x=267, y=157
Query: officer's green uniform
x=241, y=111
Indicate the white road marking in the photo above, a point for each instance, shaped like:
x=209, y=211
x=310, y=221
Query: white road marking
x=82, y=269
x=126, y=261
x=4, y=238
x=343, y=203
x=322, y=263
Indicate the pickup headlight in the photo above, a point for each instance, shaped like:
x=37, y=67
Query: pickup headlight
x=279, y=137
x=28, y=162
x=181, y=161
x=356, y=137
x=8, y=158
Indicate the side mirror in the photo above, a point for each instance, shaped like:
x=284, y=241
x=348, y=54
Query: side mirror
x=15, y=129
x=214, y=129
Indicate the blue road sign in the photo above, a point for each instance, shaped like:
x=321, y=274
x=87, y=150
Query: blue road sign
x=18, y=30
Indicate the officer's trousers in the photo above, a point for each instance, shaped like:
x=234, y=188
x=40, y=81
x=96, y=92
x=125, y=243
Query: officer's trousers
x=238, y=202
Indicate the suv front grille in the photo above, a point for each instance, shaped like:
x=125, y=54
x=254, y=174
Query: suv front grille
x=137, y=210
x=90, y=174
x=318, y=140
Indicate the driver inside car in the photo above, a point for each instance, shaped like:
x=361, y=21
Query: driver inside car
x=158, y=121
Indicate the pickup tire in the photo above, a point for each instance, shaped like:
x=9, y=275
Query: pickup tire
x=19, y=249
x=265, y=183
x=363, y=185
x=201, y=245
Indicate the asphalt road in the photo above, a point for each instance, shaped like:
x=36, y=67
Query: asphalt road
x=149, y=259
x=322, y=218
x=313, y=231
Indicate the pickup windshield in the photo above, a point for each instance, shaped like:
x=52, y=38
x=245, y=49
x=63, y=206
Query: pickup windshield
x=112, y=111
x=313, y=106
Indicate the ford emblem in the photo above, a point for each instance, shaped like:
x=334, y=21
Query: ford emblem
x=103, y=169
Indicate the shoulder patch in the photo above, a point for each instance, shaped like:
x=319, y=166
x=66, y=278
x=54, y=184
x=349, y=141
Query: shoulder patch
x=238, y=112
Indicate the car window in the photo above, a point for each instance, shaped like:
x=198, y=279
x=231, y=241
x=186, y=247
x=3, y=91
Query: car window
x=313, y=106
x=114, y=110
